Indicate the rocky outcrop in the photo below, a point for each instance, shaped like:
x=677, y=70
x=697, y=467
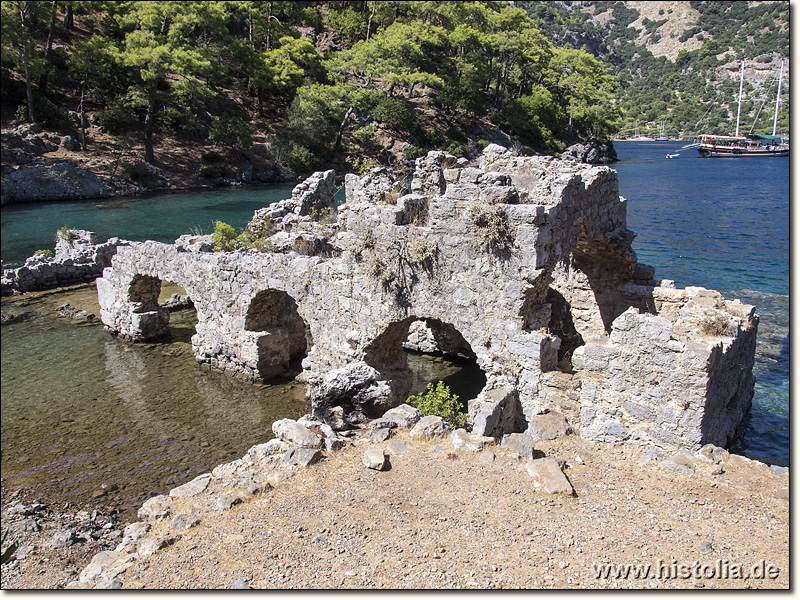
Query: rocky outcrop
x=521, y=264
x=41, y=183
x=78, y=259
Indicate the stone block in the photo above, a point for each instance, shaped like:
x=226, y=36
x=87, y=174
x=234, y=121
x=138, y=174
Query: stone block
x=547, y=475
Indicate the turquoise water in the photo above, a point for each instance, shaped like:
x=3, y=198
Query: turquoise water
x=29, y=227
x=722, y=223
x=86, y=416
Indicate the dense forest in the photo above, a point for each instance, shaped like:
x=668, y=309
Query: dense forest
x=330, y=83
x=328, y=73
x=697, y=90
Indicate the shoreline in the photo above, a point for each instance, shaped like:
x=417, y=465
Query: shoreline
x=433, y=520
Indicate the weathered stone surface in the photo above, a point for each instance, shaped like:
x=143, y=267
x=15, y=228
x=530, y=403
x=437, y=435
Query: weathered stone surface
x=41, y=183
x=106, y=565
x=546, y=474
x=292, y=432
x=470, y=442
x=681, y=463
x=548, y=426
x=430, y=426
x=301, y=457
x=378, y=435
x=524, y=262
x=521, y=443
x=228, y=501
x=184, y=521
x=375, y=459
x=159, y=507
x=397, y=447
x=399, y=416
x=779, y=471
x=194, y=487
x=150, y=545
x=486, y=456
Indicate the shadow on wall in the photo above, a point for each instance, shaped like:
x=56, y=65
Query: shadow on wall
x=282, y=341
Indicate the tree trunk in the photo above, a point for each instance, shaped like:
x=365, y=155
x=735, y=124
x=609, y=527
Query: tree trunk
x=81, y=110
x=49, y=49
x=342, y=127
x=369, y=23
x=149, y=156
x=68, y=21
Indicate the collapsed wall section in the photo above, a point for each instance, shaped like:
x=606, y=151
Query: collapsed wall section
x=524, y=264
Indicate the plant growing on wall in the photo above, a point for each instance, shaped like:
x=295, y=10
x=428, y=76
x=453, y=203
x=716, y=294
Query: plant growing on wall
x=441, y=402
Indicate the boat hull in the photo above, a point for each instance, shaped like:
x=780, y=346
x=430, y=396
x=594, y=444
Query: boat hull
x=734, y=152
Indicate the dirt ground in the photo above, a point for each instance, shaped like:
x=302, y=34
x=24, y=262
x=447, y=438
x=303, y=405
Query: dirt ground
x=445, y=519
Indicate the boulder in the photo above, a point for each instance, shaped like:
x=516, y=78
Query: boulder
x=356, y=388
x=430, y=426
x=159, y=507
x=301, y=457
x=548, y=426
x=375, y=459
x=547, y=474
x=521, y=443
x=194, y=487
x=471, y=442
x=292, y=432
x=399, y=416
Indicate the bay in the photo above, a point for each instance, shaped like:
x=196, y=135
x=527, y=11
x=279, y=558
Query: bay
x=89, y=418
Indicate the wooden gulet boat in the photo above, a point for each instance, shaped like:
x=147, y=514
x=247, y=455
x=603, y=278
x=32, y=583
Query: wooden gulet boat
x=745, y=145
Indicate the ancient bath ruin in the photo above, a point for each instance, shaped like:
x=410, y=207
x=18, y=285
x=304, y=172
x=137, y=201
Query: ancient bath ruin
x=523, y=264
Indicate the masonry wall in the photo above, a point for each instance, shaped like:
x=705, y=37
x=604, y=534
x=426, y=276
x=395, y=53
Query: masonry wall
x=526, y=261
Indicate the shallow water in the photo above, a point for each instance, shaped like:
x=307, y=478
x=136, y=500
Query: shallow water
x=82, y=410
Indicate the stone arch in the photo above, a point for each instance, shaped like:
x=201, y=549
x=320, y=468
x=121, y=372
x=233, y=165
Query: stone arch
x=387, y=352
x=279, y=332
x=143, y=291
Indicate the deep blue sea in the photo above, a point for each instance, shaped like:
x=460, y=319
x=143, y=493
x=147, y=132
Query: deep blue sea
x=82, y=411
x=722, y=223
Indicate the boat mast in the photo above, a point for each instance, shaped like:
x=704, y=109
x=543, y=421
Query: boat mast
x=777, y=101
x=739, y=112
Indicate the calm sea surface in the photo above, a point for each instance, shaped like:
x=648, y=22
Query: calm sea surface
x=88, y=418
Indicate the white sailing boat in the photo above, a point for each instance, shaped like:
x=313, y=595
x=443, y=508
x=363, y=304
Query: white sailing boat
x=745, y=145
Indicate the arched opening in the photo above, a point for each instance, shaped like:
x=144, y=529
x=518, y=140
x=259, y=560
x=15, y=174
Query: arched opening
x=281, y=334
x=174, y=318
x=183, y=316
x=414, y=352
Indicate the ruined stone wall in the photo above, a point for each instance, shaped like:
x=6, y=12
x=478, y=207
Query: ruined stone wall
x=523, y=264
x=78, y=258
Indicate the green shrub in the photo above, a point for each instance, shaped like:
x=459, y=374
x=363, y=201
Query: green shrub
x=413, y=152
x=67, y=234
x=365, y=135
x=481, y=144
x=456, y=150
x=51, y=115
x=455, y=134
x=47, y=253
x=136, y=171
x=441, y=402
x=435, y=137
x=211, y=157
x=395, y=115
x=231, y=132
x=118, y=118
x=10, y=549
x=224, y=237
x=214, y=171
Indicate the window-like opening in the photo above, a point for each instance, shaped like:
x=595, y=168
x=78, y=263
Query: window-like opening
x=414, y=352
x=283, y=339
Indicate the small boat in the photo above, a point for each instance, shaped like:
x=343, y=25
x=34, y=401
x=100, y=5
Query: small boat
x=662, y=137
x=745, y=145
x=676, y=155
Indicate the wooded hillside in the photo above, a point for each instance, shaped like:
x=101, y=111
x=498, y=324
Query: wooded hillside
x=306, y=85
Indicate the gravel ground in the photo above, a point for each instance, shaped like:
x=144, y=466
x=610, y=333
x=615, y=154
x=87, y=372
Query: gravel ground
x=439, y=518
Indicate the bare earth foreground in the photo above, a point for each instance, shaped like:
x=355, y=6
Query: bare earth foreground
x=440, y=518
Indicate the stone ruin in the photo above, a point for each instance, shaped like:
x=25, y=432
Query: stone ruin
x=523, y=265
